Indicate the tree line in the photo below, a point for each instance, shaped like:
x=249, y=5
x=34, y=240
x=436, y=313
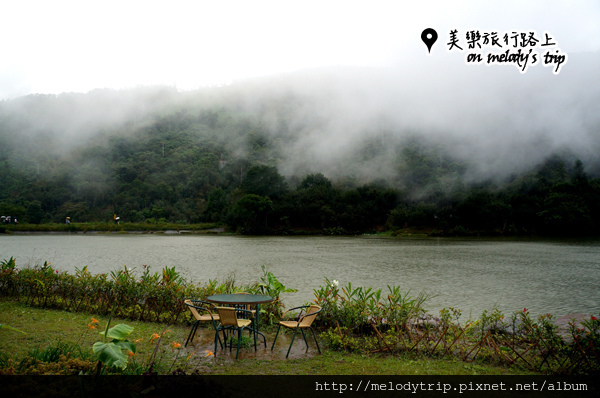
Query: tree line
x=207, y=164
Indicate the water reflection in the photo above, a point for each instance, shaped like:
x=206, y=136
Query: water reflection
x=204, y=342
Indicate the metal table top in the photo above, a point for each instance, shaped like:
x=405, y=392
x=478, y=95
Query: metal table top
x=239, y=298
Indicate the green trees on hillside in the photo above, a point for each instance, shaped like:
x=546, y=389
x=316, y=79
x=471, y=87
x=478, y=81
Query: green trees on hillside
x=192, y=163
x=251, y=213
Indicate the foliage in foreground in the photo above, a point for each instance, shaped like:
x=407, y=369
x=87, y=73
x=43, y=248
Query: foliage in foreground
x=151, y=296
x=354, y=319
x=366, y=320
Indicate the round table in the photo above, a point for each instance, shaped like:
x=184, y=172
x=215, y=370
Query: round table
x=243, y=299
x=248, y=299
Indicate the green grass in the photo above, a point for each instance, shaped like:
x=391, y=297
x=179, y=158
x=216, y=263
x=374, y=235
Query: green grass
x=48, y=330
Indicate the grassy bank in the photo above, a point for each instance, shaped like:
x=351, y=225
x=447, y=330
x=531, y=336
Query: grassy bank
x=108, y=227
x=40, y=330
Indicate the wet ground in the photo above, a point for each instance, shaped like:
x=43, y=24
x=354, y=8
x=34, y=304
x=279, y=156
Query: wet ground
x=204, y=344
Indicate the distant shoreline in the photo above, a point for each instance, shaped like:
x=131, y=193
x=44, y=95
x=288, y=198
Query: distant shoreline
x=114, y=232
x=224, y=231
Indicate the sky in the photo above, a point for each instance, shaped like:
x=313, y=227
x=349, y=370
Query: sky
x=60, y=46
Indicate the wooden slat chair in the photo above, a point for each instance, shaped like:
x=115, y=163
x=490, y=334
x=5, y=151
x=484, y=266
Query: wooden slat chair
x=304, y=322
x=230, y=321
x=202, y=312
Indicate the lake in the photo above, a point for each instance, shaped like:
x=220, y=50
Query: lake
x=545, y=276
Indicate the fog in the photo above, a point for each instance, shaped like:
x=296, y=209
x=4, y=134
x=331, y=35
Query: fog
x=338, y=87
x=494, y=119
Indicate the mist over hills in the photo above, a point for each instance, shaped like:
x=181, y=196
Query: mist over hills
x=419, y=130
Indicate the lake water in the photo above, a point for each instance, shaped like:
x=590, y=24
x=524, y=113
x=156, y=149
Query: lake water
x=545, y=276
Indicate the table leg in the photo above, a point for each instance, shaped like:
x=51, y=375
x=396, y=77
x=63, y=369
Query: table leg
x=258, y=324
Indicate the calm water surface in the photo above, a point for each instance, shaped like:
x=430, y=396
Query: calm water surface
x=546, y=276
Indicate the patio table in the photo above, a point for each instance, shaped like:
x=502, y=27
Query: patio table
x=243, y=299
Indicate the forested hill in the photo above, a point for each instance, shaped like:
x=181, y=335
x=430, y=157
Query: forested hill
x=275, y=164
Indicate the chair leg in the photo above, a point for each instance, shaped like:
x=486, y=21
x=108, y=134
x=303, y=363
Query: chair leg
x=224, y=344
x=217, y=334
x=240, y=331
x=276, y=334
x=217, y=337
x=253, y=329
x=225, y=331
x=292, y=343
x=304, y=335
x=316, y=342
x=192, y=333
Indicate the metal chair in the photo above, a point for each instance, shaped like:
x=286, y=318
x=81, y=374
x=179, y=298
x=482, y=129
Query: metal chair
x=229, y=321
x=245, y=315
x=304, y=322
x=247, y=307
x=197, y=308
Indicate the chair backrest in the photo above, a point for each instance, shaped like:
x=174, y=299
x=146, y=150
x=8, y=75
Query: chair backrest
x=194, y=311
x=197, y=304
x=312, y=312
x=228, y=316
x=244, y=307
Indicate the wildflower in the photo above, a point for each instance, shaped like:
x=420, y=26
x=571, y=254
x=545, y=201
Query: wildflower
x=189, y=356
x=176, y=344
x=209, y=354
x=93, y=324
x=594, y=318
x=138, y=340
x=524, y=309
x=155, y=336
x=334, y=283
x=131, y=354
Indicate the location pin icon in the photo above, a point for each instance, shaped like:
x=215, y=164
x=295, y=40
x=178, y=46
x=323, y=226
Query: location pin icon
x=429, y=36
